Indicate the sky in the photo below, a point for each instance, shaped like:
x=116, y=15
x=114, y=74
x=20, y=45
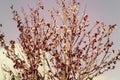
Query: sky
x=102, y=10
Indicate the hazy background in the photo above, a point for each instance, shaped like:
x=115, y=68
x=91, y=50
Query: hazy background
x=107, y=11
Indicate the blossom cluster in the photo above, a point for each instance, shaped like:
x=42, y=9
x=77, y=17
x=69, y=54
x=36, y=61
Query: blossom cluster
x=72, y=50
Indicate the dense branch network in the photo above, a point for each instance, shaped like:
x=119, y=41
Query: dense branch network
x=66, y=48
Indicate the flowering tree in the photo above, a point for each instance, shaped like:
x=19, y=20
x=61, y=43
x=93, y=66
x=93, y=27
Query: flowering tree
x=65, y=48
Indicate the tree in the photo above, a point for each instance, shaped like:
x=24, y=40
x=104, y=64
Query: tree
x=65, y=48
